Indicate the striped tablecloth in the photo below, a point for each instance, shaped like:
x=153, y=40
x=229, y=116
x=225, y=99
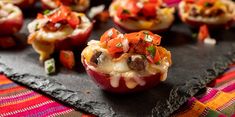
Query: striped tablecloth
x=16, y=100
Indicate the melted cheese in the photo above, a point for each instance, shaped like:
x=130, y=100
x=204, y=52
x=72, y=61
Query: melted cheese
x=222, y=19
x=16, y=15
x=43, y=42
x=117, y=68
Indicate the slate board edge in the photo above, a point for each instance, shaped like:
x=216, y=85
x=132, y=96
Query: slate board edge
x=176, y=99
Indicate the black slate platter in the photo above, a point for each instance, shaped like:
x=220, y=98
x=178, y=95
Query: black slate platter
x=194, y=65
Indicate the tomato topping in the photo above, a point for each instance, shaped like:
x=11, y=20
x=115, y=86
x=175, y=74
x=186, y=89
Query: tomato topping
x=149, y=10
x=67, y=59
x=143, y=42
x=115, y=46
x=108, y=35
x=65, y=14
x=205, y=2
x=40, y=16
x=203, y=33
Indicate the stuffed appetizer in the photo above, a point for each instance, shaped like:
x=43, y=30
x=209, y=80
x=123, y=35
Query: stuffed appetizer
x=135, y=15
x=76, y=5
x=214, y=13
x=21, y=3
x=57, y=30
x=124, y=63
x=11, y=19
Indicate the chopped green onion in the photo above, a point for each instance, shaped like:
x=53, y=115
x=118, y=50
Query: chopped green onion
x=125, y=11
x=194, y=35
x=49, y=66
x=158, y=63
x=46, y=12
x=119, y=45
x=148, y=38
x=151, y=50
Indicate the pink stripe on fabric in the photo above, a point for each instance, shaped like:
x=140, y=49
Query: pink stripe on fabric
x=208, y=96
x=60, y=113
x=21, y=97
x=60, y=109
x=225, y=85
x=229, y=88
x=34, y=111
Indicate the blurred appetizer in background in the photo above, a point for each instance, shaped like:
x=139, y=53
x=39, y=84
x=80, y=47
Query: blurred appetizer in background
x=11, y=21
x=135, y=15
x=124, y=63
x=21, y=3
x=76, y=5
x=59, y=29
x=214, y=13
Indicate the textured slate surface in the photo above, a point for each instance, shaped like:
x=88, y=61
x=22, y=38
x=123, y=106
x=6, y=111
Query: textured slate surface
x=194, y=65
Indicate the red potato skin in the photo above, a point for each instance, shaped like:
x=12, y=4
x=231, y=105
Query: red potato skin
x=211, y=26
x=9, y=27
x=75, y=41
x=103, y=81
x=26, y=4
x=45, y=6
x=131, y=30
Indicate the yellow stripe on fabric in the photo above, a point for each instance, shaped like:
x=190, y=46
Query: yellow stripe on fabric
x=219, y=100
x=197, y=109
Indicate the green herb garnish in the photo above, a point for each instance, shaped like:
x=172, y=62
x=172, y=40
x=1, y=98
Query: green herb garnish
x=125, y=11
x=119, y=45
x=208, y=4
x=49, y=66
x=194, y=35
x=46, y=12
x=151, y=50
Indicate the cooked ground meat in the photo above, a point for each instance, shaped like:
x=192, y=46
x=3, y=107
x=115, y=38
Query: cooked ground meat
x=94, y=58
x=136, y=62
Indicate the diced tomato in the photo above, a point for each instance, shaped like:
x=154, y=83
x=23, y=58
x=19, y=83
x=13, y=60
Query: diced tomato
x=67, y=59
x=150, y=58
x=133, y=37
x=157, y=56
x=156, y=39
x=132, y=7
x=61, y=14
x=190, y=1
x=109, y=34
x=115, y=46
x=202, y=2
x=40, y=16
x=149, y=10
x=203, y=33
x=123, y=13
x=73, y=20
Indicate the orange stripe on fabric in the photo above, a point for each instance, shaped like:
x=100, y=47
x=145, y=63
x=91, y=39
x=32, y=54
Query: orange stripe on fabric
x=13, y=89
x=197, y=109
x=18, y=106
x=219, y=100
x=2, y=82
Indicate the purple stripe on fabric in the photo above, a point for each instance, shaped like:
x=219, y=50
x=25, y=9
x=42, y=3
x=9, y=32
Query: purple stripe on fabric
x=230, y=70
x=22, y=97
x=49, y=111
x=210, y=95
x=229, y=88
x=4, y=86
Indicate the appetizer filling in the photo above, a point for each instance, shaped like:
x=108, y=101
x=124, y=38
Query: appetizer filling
x=77, y=5
x=53, y=26
x=142, y=14
x=130, y=56
x=9, y=12
x=208, y=11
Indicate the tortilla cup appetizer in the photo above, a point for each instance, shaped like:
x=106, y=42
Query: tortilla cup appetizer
x=214, y=13
x=76, y=5
x=123, y=63
x=21, y=3
x=11, y=19
x=58, y=30
x=136, y=15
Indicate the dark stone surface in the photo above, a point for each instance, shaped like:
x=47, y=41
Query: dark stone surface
x=194, y=65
